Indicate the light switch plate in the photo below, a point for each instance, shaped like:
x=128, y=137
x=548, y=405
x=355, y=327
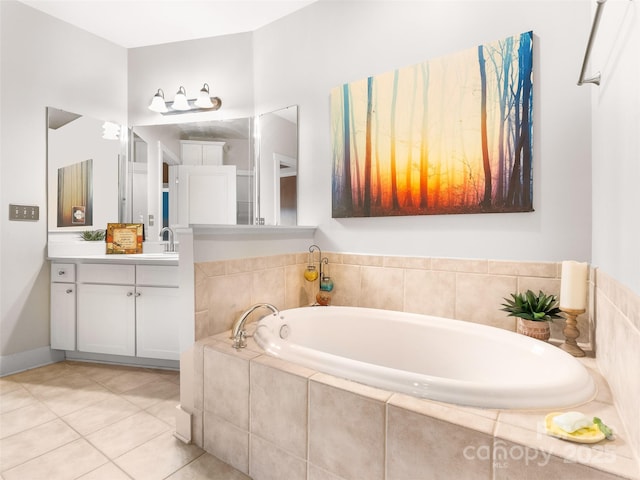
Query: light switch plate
x=29, y=213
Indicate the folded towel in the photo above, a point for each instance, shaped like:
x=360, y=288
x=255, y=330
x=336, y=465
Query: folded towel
x=571, y=421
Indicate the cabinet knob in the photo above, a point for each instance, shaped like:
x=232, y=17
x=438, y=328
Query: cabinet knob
x=69, y=290
x=61, y=272
x=129, y=294
x=138, y=294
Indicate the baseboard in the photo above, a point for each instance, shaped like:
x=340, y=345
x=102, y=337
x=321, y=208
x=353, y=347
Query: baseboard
x=123, y=360
x=26, y=360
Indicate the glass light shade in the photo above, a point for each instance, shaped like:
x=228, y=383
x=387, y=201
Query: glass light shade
x=323, y=298
x=157, y=103
x=310, y=273
x=326, y=284
x=204, y=100
x=180, y=102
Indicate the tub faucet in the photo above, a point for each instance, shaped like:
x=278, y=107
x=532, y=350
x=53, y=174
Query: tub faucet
x=238, y=333
x=171, y=246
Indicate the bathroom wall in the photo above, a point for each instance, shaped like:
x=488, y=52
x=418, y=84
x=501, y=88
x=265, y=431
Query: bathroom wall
x=616, y=143
x=300, y=58
x=616, y=231
x=43, y=62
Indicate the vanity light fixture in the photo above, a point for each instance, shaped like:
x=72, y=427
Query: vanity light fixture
x=181, y=104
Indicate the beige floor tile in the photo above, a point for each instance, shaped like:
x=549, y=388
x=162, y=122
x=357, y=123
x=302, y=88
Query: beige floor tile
x=108, y=471
x=24, y=418
x=24, y=446
x=122, y=436
x=208, y=467
x=165, y=410
x=74, y=400
x=14, y=399
x=152, y=392
x=102, y=403
x=59, y=385
x=128, y=379
x=7, y=385
x=66, y=462
x=158, y=458
x=101, y=414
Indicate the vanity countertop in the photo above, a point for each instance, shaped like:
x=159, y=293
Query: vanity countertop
x=138, y=258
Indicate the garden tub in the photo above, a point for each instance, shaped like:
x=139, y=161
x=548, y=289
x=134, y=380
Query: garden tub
x=429, y=357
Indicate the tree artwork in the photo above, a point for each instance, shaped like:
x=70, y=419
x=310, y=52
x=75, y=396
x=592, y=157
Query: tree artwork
x=449, y=135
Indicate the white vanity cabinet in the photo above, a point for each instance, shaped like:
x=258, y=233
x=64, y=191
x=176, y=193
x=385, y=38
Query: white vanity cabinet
x=117, y=309
x=106, y=309
x=157, y=312
x=63, y=306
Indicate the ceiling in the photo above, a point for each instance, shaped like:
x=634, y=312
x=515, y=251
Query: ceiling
x=139, y=23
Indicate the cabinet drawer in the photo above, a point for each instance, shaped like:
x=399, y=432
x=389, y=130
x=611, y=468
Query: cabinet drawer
x=109, y=274
x=157, y=275
x=63, y=272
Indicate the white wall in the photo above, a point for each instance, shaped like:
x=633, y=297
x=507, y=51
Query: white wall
x=44, y=62
x=616, y=143
x=225, y=63
x=300, y=58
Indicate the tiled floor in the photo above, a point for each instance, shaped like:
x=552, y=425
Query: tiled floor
x=73, y=420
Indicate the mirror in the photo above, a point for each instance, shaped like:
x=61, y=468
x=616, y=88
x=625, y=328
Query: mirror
x=204, y=173
x=83, y=160
x=278, y=167
x=93, y=180
x=196, y=173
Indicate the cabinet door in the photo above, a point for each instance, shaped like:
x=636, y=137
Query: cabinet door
x=106, y=319
x=212, y=196
x=63, y=316
x=191, y=154
x=212, y=154
x=157, y=323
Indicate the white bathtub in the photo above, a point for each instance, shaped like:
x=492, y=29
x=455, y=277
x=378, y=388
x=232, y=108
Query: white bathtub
x=429, y=357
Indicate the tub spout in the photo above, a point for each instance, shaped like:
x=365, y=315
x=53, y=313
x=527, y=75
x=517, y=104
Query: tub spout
x=238, y=333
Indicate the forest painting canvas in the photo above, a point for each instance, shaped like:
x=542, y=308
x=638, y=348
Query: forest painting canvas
x=449, y=135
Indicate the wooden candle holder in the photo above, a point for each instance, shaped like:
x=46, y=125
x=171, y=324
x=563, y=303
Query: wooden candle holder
x=571, y=332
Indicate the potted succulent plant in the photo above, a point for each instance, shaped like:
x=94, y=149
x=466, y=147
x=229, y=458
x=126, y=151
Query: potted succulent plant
x=92, y=235
x=534, y=312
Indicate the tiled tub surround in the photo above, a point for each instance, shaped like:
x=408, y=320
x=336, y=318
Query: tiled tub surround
x=273, y=419
x=470, y=290
x=618, y=348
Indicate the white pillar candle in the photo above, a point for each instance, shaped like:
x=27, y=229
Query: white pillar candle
x=573, y=287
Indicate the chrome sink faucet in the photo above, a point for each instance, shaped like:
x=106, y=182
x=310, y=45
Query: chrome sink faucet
x=171, y=246
x=238, y=333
